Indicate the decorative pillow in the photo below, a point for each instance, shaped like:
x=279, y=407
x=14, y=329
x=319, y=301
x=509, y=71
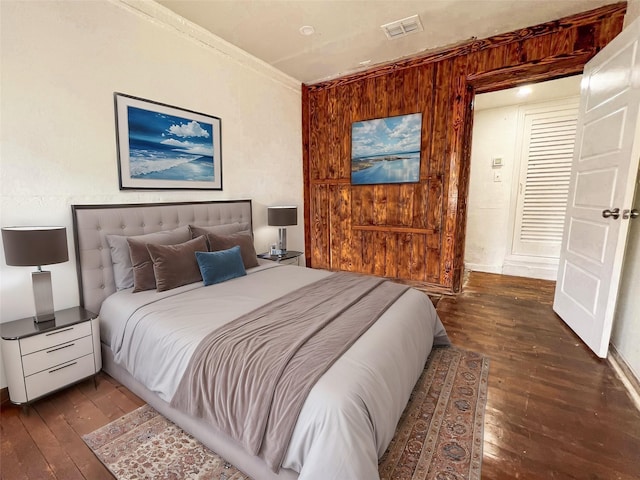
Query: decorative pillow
x=121, y=258
x=143, y=276
x=176, y=265
x=227, y=229
x=220, y=266
x=241, y=239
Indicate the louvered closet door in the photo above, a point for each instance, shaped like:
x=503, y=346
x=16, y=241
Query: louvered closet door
x=547, y=139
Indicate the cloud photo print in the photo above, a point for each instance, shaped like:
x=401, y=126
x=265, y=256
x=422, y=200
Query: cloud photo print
x=160, y=146
x=386, y=150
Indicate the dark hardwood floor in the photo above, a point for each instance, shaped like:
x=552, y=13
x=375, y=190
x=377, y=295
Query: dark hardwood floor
x=554, y=410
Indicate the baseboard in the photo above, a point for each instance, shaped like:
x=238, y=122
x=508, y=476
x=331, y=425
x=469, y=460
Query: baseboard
x=4, y=396
x=478, y=267
x=629, y=380
x=544, y=268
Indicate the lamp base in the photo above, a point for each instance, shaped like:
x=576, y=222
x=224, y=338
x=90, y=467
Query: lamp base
x=282, y=241
x=42, y=296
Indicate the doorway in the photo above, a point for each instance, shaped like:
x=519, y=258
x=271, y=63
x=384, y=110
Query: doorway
x=516, y=187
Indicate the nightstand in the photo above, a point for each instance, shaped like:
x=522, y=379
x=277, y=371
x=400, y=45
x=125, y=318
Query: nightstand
x=290, y=258
x=40, y=358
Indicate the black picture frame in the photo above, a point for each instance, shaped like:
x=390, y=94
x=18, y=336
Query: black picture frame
x=163, y=147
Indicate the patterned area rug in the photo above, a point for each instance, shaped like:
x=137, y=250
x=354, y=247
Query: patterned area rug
x=439, y=436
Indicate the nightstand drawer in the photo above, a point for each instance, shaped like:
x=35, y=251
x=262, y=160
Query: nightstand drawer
x=56, y=355
x=52, y=379
x=55, y=337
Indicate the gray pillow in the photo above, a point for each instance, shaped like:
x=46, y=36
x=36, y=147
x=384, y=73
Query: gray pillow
x=241, y=239
x=176, y=265
x=121, y=261
x=226, y=229
x=121, y=256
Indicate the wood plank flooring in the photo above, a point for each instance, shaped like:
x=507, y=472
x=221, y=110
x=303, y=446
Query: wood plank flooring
x=554, y=410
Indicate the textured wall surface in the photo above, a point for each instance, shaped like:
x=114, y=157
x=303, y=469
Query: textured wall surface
x=61, y=63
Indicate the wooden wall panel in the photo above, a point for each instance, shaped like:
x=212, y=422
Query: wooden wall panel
x=319, y=223
x=416, y=231
x=512, y=53
x=336, y=232
x=403, y=255
x=367, y=207
x=418, y=265
x=405, y=203
x=313, y=132
x=382, y=93
x=425, y=94
x=380, y=252
x=343, y=124
x=391, y=260
x=562, y=42
x=345, y=252
x=380, y=205
x=331, y=162
x=534, y=48
x=463, y=189
x=368, y=251
x=456, y=184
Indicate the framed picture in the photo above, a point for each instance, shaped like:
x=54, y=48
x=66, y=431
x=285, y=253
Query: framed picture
x=386, y=150
x=165, y=147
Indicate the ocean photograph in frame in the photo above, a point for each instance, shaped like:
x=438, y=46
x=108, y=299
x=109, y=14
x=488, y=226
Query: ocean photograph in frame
x=165, y=147
x=386, y=150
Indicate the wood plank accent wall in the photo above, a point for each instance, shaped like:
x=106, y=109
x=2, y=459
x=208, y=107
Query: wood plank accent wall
x=416, y=231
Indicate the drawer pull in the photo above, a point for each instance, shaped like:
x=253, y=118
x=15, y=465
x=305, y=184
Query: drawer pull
x=64, y=366
x=58, y=331
x=60, y=348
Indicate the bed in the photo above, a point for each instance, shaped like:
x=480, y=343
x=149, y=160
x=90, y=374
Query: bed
x=345, y=422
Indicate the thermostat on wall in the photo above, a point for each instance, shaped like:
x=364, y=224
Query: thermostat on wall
x=496, y=162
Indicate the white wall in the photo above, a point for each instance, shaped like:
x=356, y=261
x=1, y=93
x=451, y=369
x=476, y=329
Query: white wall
x=490, y=216
x=633, y=12
x=626, y=325
x=62, y=61
x=494, y=135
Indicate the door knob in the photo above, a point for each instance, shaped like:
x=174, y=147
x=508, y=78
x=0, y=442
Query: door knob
x=614, y=212
x=630, y=213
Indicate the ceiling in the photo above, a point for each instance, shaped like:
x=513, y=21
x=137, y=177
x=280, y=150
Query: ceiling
x=347, y=32
x=540, y=92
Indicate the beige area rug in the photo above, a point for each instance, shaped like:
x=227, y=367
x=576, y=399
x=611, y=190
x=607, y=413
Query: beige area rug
x=439, y=436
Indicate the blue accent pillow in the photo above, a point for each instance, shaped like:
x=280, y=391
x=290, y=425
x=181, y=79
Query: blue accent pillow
x=220, y=266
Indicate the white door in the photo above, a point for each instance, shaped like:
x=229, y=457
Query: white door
x=603, y=177
x=548, y=137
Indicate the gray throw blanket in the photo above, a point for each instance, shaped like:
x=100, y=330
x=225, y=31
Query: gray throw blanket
x=251, y=377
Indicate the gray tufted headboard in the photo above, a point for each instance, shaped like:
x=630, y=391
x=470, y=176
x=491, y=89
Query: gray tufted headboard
x=91, y=223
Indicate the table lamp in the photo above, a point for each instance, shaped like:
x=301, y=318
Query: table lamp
x=34, y=247
x=281, y=217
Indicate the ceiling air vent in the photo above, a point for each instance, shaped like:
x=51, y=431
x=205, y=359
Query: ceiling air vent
x=402, y=28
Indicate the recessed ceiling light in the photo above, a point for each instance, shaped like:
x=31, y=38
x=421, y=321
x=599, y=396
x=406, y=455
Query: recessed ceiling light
x=524, y=91
x=307, y=30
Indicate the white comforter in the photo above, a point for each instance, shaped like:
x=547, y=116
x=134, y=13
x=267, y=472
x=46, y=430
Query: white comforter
x=351, y=413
